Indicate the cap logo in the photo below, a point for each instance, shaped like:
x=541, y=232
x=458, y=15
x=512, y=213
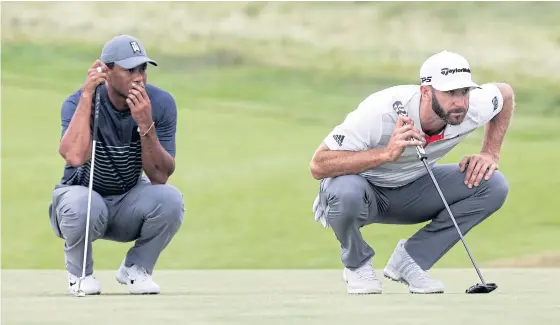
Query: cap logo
x=446, y=71
x=135, y=47
x=425, y=79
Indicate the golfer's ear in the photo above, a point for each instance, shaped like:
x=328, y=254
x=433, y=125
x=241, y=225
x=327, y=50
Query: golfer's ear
x=426, y=91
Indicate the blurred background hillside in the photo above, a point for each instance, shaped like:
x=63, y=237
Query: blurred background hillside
x=258, y=85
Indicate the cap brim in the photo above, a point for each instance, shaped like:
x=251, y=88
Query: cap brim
x=456, y=85
x=135, y=61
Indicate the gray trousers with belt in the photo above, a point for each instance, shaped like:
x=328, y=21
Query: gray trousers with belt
x=353, y=203
x=148, y=214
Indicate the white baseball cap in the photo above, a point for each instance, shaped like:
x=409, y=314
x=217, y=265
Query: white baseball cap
x=447, y=71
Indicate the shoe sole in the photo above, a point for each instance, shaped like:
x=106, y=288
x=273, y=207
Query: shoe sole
x=389, y=274
x=363, y=293
x=74, y=292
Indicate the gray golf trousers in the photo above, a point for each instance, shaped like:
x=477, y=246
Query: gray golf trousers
x=148, y=214
x=353, y=203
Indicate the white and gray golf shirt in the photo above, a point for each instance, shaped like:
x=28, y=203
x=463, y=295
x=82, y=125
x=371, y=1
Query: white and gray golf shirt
x=372, y=123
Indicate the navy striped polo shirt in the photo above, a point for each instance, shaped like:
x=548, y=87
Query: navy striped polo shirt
x=118, y=152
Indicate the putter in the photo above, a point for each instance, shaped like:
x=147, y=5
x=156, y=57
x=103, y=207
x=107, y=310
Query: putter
x=80, y=292
x=483, y=287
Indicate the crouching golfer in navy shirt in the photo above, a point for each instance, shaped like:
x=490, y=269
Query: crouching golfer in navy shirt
x=136, y=133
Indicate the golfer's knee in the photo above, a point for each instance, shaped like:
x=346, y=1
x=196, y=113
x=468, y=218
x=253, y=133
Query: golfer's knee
x=72, y=215
x=169, y=203
x=346, y=198
x=497, y=190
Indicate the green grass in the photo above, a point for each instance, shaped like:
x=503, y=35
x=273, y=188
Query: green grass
x=252, y=109
x=245, y=137
x=304, y=297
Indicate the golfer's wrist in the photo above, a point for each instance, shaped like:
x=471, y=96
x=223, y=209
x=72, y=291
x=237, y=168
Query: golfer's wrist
x=86, y=96
x=491, y=153
x=384, y=156
x=145, y=128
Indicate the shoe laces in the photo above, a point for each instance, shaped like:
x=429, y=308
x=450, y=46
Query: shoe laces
x=366, y=272
x=413, y=271
x=138, y=273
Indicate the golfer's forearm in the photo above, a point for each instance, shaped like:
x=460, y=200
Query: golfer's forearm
x=75, y=145
x=332, y=163
x=495, y=130
x=157, y=163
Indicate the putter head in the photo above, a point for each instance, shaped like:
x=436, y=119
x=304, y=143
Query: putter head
x=482, y=288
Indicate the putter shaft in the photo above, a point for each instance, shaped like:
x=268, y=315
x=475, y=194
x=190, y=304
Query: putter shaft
x=452, y=217
x=423, y=157
x=80, y=292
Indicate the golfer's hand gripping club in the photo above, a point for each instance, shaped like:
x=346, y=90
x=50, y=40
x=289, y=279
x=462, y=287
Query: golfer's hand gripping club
x=419, y=149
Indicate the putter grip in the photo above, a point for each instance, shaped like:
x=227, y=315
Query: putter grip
x=401, y=112
x=97, y=103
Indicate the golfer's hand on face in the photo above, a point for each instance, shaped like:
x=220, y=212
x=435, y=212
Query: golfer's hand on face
x=405, y=135
x=97, y=75
x=477, y=167
x=140, y=106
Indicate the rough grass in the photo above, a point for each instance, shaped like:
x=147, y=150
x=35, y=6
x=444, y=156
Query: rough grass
x=551, y=259
x=344, y=36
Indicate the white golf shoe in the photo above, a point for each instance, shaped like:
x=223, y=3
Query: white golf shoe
x=362, y=280
x=402, y=268
x=137, y=279
x=89, y=285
